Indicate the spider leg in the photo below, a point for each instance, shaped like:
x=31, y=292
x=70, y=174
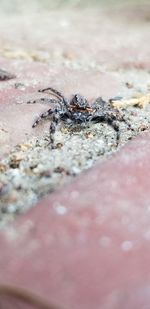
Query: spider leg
x=58, y=94
x=99, y=103
x=115, y=126
x=52, y=128
x=122, y=117
x=42, y=116
x=54, y=91
x=114, y=123
x=43, y=100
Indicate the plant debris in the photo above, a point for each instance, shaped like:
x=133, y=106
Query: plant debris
x=139, y=101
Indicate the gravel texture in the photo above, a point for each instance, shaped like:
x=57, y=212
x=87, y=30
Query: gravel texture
x=32, y=170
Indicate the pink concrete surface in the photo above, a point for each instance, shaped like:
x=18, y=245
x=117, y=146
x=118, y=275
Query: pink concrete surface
x=88, y=245
x=114, y=38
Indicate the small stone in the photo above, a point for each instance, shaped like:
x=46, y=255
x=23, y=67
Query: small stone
x=59, y=169
x=89, y=135
x=64, y=130
x=3, y=167
x=45, y=173
x=75, y=170
x=143, y=127
x=11, y=208
x=59, y=145
x=8, y=196
x=70, y=55
x=20, y=86
x=129, y=85
x=24, y=147
x=15, y=160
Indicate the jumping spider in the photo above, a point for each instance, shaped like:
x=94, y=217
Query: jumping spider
x=77, y=111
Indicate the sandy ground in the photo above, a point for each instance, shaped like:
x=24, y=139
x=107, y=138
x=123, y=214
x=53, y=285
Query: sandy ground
x=33, y=169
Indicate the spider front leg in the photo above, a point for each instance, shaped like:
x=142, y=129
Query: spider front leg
x=115, y=126
x=56, y=93
x=52, y=128
x=42, y=116
x=112, y=120
x=123, y=119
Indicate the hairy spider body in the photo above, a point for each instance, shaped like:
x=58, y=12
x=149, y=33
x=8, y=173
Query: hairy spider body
x=77, y=111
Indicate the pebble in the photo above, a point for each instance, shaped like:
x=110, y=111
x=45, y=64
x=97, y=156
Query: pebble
x=15, y=159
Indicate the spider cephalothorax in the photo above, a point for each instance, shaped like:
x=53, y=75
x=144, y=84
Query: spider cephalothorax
x=78, y=101
x=78, y=111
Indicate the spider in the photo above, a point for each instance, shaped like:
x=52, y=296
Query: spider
x=77, y=111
